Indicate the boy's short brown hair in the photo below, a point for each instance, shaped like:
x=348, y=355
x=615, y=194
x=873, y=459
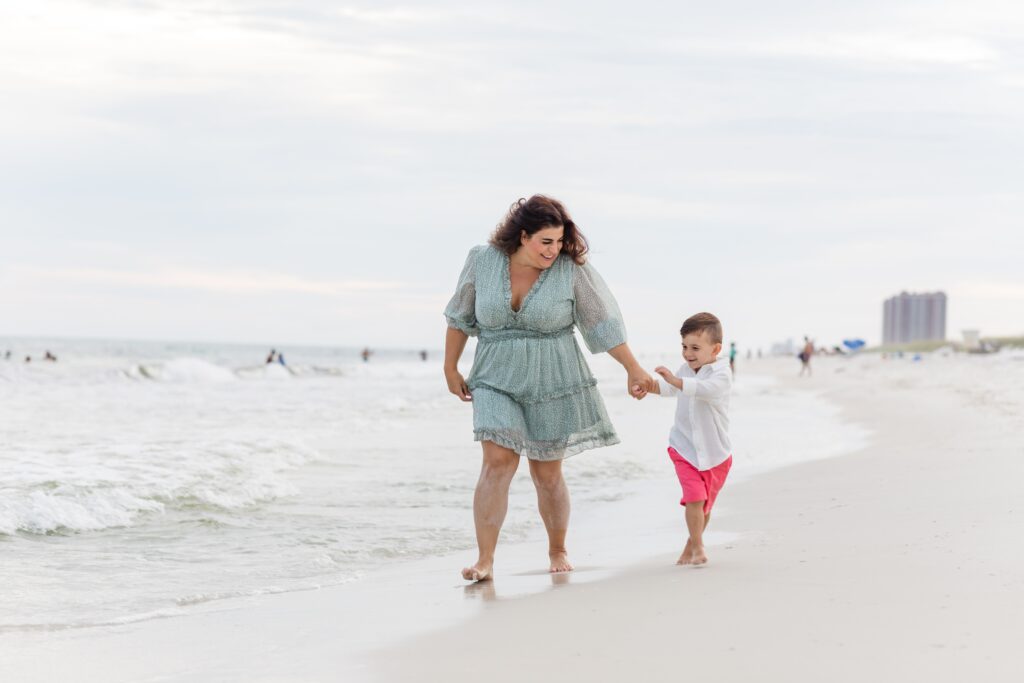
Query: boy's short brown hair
x=703, y=322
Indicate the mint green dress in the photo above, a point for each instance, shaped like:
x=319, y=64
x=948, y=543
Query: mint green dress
x=532, y=389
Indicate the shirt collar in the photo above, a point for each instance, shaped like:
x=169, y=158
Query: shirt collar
x=705, y=370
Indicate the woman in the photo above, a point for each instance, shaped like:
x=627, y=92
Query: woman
x=532, y=392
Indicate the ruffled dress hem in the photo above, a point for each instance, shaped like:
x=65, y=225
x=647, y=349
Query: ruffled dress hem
x=547, y=453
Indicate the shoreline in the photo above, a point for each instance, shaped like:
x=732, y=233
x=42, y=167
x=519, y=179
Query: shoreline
x=845, y=568
x=354, y=631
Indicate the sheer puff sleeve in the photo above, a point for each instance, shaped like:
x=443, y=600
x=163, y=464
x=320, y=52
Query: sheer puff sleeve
x=595, y=312
x=461, y=310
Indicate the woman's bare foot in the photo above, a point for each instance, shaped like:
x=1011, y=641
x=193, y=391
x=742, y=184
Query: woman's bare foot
x=698, y=556
x=687, y=555
x=559, y=562
x=481, y=571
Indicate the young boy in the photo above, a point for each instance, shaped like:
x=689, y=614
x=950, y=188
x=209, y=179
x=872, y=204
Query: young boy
x=699, y=440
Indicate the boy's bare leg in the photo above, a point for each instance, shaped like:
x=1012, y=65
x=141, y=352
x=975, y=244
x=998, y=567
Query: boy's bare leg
x=553, y=503
x=684, y=558
x=695, y=522
x=490, y=503
x=687, y=556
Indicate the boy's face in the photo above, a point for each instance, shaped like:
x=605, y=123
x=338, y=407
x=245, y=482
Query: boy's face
x=699, y=351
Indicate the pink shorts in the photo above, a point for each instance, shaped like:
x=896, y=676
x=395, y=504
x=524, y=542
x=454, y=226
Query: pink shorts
x=699, y=485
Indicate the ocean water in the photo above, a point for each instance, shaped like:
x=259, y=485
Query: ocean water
x=143, y=479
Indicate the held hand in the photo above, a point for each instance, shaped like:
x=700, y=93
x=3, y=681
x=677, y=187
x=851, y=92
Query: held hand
x=667, y=375
x=457, y=385
x=639, y=383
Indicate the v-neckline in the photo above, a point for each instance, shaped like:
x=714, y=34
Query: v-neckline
x=529, y=293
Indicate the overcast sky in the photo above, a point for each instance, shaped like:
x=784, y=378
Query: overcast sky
x=301, y=171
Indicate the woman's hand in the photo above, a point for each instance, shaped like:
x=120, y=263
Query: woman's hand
x=454, y=342
x=457, y=384
x=639, y=382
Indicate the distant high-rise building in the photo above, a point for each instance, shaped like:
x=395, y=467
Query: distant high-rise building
x=914, y=317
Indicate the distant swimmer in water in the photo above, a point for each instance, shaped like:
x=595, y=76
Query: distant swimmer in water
x=50, y=357
x=423, y=355
x=366, y=354
x=7, y=356
x=28, y=359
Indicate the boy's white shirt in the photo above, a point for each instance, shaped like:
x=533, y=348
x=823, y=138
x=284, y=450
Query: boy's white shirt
x=701, y=430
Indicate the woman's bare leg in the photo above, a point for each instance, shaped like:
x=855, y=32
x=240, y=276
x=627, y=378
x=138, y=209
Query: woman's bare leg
x=490, y=503
x=553, y=503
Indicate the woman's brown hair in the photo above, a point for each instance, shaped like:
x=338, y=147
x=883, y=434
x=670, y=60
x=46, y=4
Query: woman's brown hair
x=534, y=214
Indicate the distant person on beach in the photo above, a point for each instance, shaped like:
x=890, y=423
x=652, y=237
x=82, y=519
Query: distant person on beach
x=280, y=358
x=805, y=357
x=532, y=392
x=7, y=356
x=50, y=357
x=272, y=357
x=423, y=355
x=699, y=444
x=732, y=358
x=366, y=353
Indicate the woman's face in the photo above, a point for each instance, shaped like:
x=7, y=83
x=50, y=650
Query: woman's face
x=542, y=247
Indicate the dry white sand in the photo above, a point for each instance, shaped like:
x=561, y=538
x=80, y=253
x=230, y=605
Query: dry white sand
x=901, y=562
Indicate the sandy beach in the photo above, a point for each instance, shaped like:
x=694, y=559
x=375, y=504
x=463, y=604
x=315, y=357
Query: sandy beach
x=268, y=269
x=897, y=561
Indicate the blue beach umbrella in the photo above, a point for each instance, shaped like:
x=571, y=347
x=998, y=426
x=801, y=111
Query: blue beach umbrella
x=853, y=344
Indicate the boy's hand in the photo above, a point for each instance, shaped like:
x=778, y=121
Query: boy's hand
x=667, y=375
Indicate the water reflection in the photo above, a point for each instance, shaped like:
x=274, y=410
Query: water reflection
x=480, y=590
x=514, y=587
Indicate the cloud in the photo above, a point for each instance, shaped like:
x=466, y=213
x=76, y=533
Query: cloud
x=888, y=48
x=233, y=282
x=991, y=290
x=339, y=153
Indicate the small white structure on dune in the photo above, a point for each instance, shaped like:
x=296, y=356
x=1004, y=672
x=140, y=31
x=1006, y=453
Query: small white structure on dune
x=972, y=340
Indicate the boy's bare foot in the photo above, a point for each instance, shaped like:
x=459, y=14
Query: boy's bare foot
x=698, y=556
x=687, y=555
x=559, y=562
x=478, y=572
